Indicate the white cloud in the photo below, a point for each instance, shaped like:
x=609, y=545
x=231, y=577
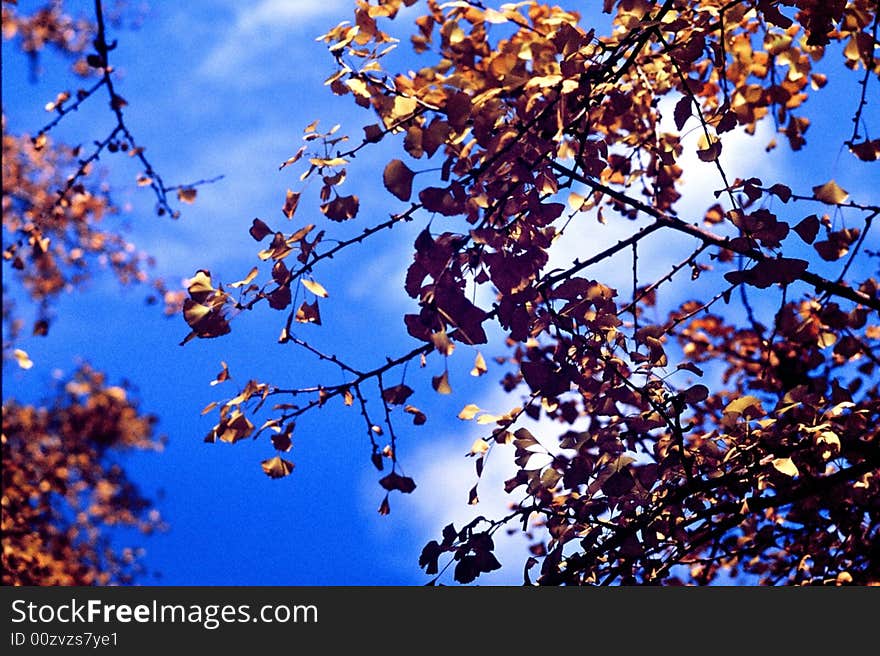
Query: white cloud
x=268, y=29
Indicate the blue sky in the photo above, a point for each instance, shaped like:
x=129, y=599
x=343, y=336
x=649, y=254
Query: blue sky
x=226, y=88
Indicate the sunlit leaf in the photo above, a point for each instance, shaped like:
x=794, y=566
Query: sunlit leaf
x=315, y=287
x=479, y=365
x=248, y=279
x=786, y=466
x=830, y=193
x=277, y=467
x=22, y=359
x=468, y=412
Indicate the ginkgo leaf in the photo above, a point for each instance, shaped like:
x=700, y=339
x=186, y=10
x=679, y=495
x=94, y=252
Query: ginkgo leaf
x=291, y=202
x=479, y=446
x=745, y=405
x=469, y=412
x=341, y=208
x=282, y=442
x=830, y=193
x=187, y=195
x=22, y=359
x=419, y=417
x=315, y=287
x=277, y=467
x=249, y=278
x=259, y=230
x=708, y=150
x=398, y=179
x=395, y=481
x=234, y=428
x=682, y=111
x=222, y=376
x=808, y=228
x=479, y=365
x=309, y=313
x=785, y=466
x=295, y=158
x=441, y=383
x=397, y=395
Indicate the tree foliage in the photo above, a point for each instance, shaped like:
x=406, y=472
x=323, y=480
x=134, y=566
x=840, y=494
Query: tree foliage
x=687, y=433
x=62, y=486
x=64, y=493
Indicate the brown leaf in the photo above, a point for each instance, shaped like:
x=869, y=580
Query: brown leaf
x=682, y=112
x=277, y=467
x=309, y=313
x=419, y=417
x=458, y=109
x=395, y=481
x=341, y=208
x=808, y=228
x=709, y=152
x=397, y=395
x=187, y=195
x=290, y=203
x=398, y=179
x=782, y=270
x=280, y=297
x=222, y=376
x=867, y=151
x=259, y=230
x=282, y=441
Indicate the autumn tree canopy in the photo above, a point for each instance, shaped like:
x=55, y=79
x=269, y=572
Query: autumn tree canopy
x=714, y=416
x=716, y=419
x=64, y=492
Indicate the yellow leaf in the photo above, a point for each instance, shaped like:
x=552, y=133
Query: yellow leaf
x=487, y=419
x=479, y=365
x=479, y=446
x=826, y=339
x=358, y=87
x=21, y=357
x=209, y=407
x=830, y=193
x=786, y=466
x=247, y=279
x=441, y=383
x=468, y=412
x=347, y=397
x=741, y=405
x=315, y=287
